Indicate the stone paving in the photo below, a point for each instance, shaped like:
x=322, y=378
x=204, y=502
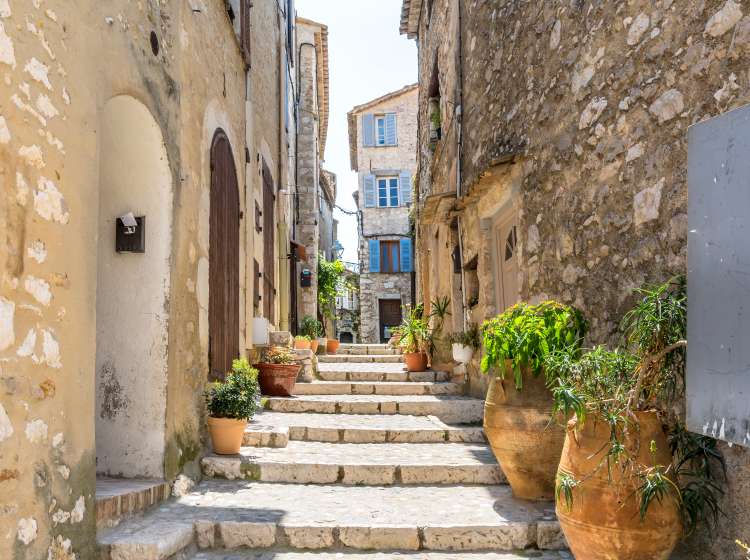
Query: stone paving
x=376, y=388
x=344, y=358
x=287, y=555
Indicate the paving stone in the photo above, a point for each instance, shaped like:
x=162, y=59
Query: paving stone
x=365, y=349
x=369, y=463
x=353, y=555
x=260, y=514
x=261, y=433
x=370, y=358
x=376, y=388
x=451, y=409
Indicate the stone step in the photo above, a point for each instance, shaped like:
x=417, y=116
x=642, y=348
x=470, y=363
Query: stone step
x=450, y=409
x=366, y=349
x=344, y=373
x=221, y=514
x=401, y=555
x=354, y=428
x=122, y=498
x=377, y=388
x=380, y=464
x=369, y=359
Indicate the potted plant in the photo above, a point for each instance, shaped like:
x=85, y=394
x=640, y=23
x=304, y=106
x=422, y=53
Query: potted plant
x=332, y=345
x=311, y=328
x=231, y=404
x=517, y=417
x=631, y=478
x=439, y=344
x=414, y=340
x=302, y=342
x=278, y=372
x=464, y=343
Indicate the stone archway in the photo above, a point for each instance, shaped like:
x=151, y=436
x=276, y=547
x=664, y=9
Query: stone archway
x=132, y=293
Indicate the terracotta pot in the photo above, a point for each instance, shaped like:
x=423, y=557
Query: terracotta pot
x=314, y=345
x=524, y=440
x=415, y=361
x=301, y=344
x=604, y=522
x=332, y=346
x=226, y=434
x=277, y=380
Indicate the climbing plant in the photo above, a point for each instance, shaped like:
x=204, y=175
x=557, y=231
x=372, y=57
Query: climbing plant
x=330, y=284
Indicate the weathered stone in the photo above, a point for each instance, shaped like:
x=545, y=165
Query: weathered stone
x=592, y=112
x=393, y=538
x=667, y=106
x=280, y=338
x=646, y=204
x=245, y=534
x=638, y=28
x=725, y=19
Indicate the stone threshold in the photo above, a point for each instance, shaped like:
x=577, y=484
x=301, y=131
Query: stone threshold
x=121, y=498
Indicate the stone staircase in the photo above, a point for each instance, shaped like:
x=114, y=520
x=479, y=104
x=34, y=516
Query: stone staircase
x=367, y=463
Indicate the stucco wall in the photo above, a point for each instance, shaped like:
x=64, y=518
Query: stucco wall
x=591, y=101
x=60, y=66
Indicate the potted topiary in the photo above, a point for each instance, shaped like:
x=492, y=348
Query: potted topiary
x=630, y=473
x=414, y=340
x=311, y=328
x=302, y=342
x=517, y=417
x=231, y=404
x=278, y=372
x=464, y=344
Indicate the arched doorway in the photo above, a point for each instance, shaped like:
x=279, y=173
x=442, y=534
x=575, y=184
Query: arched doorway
x=224, y=260
x=132, y=292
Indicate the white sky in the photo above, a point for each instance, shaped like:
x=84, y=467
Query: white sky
x=367, y=58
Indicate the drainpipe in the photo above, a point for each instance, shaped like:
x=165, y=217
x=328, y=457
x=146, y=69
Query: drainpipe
x=459, y=154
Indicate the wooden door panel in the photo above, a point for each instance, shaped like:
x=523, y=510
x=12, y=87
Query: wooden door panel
x=390, y=315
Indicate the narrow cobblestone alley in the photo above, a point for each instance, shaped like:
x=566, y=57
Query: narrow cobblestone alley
x=368, y=457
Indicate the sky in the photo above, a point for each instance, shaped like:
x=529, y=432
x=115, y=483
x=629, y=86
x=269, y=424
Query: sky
x=367, y=58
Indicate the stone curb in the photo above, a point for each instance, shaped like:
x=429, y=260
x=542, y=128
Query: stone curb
x=380, y=376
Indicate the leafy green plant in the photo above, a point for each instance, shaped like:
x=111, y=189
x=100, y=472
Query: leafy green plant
x=439, y=310
x=278, y=355
x=414, y=333
x=525, y=334
x=564, y=489
x=469, y=337
x=237, y=396
x=311, y=327
x=302, y=337
x=330, y=284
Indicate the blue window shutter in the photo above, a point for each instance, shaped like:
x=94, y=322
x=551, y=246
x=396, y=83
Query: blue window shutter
x=405, y=187
x=368, y=129
x=370, y=193
x=407, y=262
x=390, y=129
x=374, y=245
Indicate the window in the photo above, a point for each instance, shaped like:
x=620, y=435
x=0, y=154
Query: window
x=379, y=130
x=390, y=256
x=387, y=191
x=380, y=123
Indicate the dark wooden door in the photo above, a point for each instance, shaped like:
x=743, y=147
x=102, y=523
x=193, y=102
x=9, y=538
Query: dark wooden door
x=224, y=260
x=390, y=316
x=269, y=245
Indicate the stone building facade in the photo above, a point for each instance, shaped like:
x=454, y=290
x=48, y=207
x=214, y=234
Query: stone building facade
x=312, y=47
x=110, y=331
x=382, y=147
x=559, y=170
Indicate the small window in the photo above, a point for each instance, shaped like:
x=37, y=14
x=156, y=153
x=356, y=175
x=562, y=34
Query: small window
x=390, y=256
x=510, y=244
x=388, y=192
x=380, y=129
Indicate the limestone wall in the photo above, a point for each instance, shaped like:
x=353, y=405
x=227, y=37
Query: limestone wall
x=60, y=66
x=590, y=103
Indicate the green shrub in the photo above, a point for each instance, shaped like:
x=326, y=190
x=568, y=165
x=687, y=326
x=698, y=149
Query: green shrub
x=469, y=337
x=237, y=396
x=311, y=327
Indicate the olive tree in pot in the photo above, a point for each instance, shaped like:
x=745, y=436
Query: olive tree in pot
x=278, y=372
x=517, y=418
x=414, y=340
x=231, y=404
x=631, y=478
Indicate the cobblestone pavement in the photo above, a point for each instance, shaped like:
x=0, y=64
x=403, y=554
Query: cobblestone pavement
x=527, y=555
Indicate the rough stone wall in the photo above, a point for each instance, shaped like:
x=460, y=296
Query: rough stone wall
x=59, y=68
x=593, y=100
x=384, y=223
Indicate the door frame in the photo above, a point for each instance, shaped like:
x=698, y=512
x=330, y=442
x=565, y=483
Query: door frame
x=508, y=213
x=381, y=325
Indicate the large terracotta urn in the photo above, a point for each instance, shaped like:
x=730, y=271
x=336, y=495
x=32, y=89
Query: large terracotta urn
x=604, y=522
x=525, y=440
x=277, y=380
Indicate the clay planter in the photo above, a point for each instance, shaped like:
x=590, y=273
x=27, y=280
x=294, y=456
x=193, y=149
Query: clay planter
x=314, y=345
x=301, y=344
x=462, y=353
x=226, y=434
x=332, y=346
x=415, y=361
x=604, y=522
x=524, y=441
x=277, y=380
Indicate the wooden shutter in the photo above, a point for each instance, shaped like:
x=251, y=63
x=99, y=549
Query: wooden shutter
x=374, y=246
x=371, y=198
x=245, y=6
x=269, y=245
x=405, y=188
x=390, y=129
x=407, y=262
x=368, y=129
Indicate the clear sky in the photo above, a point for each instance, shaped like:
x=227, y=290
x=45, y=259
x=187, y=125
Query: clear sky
x=367, y=58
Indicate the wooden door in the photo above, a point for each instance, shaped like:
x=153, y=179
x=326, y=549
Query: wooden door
x=224, y=260
x=506, y=261
x=269, y=245
x=390, y=316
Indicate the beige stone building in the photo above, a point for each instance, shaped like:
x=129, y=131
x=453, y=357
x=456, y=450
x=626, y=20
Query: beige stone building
x=382, y=148
x=147, y=179
x=552, y=159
